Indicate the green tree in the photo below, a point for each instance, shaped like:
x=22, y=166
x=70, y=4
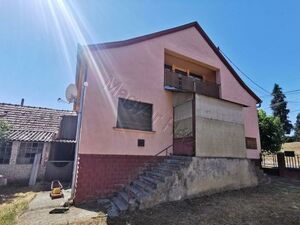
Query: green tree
x=4, y=128
x=271, y=132
x=279, y=107
x=297, y=128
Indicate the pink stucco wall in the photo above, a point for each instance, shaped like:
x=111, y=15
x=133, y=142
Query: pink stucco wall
x=136, y=71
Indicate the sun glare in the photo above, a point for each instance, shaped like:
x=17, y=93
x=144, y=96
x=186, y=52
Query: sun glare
x=64, y=20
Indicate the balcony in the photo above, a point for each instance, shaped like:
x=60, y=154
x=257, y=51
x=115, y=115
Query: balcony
x=181, y=83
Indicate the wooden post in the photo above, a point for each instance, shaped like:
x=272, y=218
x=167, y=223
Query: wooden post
x=281, y=163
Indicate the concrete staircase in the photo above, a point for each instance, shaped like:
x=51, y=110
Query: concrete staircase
x=149, y=188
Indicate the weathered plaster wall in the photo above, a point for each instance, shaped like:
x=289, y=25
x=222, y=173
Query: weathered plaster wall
x=136, y=71
x=205, y=176
x=219, y=128
x=21, y=172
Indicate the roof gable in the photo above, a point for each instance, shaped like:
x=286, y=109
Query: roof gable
x=172, y=30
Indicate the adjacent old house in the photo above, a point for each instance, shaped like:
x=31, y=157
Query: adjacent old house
x=166, y=93
x=35, y=130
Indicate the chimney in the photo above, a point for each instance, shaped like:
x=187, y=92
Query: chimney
x=22, y=101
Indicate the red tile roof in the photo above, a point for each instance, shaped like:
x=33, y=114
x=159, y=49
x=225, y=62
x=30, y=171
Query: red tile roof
x=32, y=123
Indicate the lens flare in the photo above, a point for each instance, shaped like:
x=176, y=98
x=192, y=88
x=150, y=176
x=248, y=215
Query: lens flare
x=70, y=28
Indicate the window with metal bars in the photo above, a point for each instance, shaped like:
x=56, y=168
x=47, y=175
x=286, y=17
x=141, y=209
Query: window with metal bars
x=27, y=152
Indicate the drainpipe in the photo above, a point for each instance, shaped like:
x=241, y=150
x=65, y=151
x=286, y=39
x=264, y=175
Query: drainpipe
x=78, y=134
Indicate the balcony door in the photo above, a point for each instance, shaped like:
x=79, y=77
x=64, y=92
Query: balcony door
x=183, y=128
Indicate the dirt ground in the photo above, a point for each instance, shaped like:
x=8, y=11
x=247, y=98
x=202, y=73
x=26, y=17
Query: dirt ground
x=13, y=201
x=274, y=203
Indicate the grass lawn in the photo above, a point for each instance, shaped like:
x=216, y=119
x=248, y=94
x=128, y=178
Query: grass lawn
x=13, y=201
x=275, y=203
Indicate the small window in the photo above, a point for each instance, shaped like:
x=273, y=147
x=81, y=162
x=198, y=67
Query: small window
x=134, y=115
x=27, y=152
x=141, y=142
x=251, y=143
x=5, y=152
x=196, y=76
x=181, y=72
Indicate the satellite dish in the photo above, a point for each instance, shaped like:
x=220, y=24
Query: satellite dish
x=71, y=93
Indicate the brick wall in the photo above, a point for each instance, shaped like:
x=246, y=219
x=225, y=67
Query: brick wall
x=101, y=175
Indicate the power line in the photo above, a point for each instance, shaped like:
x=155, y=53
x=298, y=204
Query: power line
x=282, y=102
x=297, y=91
x=249, y=78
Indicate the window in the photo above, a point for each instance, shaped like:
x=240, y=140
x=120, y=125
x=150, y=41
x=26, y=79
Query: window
x=134, y=115
x=27, y=152
x=196, y=76
x=5, y=152
x=180, y=71
x=251, y=143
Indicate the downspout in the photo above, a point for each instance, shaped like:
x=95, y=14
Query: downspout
x=78, y=133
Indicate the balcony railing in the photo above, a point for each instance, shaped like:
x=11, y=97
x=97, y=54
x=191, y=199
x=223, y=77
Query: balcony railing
x=178, y=82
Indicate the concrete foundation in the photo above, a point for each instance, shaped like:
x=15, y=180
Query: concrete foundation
x=204, y=176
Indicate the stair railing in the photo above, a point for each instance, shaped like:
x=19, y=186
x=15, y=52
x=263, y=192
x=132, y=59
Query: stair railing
x=164, y=150
x=147, y=166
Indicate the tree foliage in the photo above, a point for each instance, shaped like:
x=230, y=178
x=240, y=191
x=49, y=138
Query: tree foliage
x=4, y=128
x=297, y=128
x=271, y=132
x=279, y=107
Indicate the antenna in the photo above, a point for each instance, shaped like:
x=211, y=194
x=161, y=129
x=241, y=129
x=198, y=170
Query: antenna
x=71, y=93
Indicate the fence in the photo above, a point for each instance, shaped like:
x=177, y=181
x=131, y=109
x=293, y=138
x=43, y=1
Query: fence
x=271, y=160
x=285, y=164
x=292, y=161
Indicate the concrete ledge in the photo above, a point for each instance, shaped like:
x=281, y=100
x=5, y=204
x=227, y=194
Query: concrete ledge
x=204, y=176
x=19, y=173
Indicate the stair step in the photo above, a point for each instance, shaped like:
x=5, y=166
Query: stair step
x=105, y=202
x=163, y=171
x=155, y=175
x=170, y=166
x=183, y=158
x=153, y=180
x=153, y=183
x=176, y=161
x=126, y=196
x=145, y=186
x=137, y=193
x=112, y=210
x=121, y=204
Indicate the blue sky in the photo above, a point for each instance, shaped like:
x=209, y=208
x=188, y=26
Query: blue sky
x=38, y=60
